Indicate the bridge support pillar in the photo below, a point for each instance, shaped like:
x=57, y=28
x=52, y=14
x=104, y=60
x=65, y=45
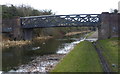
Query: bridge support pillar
x=109, y=25
x=104, y=28
x=27, y=34
x=16, y=28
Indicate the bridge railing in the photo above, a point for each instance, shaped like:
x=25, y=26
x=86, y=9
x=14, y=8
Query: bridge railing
x=60, y=20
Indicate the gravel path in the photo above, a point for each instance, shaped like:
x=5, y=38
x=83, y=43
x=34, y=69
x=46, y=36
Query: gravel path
x=94, y=35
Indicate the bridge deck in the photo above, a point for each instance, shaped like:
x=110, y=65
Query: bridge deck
x=75, y=20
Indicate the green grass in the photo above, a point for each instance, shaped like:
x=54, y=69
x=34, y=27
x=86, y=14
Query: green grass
x=83, y=58
x=109, y=49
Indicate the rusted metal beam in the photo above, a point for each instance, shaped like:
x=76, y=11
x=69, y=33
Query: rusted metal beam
x=60, y=20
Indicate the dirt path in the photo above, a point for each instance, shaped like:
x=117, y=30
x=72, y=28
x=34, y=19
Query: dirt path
x=94, y=35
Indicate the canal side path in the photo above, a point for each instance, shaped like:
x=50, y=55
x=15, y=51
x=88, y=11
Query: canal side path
x=83, y=58
x=87, y=56
x=103, y=61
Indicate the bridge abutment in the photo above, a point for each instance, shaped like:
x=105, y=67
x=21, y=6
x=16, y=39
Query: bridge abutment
x=103, y=29
x=28, y=34
x=109, y=25
x=114, y=25
x=16, y=29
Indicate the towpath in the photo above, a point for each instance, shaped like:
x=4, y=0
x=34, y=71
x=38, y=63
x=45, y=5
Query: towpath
x=94, y=37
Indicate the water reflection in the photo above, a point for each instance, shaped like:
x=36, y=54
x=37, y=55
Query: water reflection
x=15, y=56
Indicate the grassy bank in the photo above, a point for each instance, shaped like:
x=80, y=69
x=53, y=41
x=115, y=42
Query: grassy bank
x=83, y=58
x=109, y=49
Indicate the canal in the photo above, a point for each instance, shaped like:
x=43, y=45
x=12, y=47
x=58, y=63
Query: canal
x=13, y=57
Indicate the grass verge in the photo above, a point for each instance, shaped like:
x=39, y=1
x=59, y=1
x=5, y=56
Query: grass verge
x=83, y=58
x=109, y=48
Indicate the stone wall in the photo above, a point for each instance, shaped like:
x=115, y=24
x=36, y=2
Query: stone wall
x=14, y=24
x=109, y=26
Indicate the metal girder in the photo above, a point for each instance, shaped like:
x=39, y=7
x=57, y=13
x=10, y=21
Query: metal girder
x=75, y=20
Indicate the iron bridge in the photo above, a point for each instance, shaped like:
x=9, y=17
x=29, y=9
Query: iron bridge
x=75, y=20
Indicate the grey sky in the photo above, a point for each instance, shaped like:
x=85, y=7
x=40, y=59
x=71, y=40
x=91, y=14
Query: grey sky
x=68, y=6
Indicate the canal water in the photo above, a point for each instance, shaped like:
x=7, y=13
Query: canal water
x=13, y=57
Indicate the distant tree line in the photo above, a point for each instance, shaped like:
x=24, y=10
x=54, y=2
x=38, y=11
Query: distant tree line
x=115, y=11
x=22, y=11
x=9, y=12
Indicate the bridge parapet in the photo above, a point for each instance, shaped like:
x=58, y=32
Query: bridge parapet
x=74, y=20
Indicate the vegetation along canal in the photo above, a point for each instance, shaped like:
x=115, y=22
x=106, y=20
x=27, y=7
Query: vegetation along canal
x=23, y=58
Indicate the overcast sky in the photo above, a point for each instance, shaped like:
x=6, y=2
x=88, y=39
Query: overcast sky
x=68, y=6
